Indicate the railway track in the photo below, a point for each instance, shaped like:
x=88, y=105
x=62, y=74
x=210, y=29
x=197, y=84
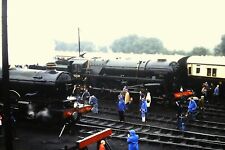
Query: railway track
x=214, y=111
x=154, y=134
x=216, y=106
x=208, y=127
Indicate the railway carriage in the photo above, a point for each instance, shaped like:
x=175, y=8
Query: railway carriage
x=209, y=69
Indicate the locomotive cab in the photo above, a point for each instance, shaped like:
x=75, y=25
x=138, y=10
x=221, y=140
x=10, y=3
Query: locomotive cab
x=78, y=67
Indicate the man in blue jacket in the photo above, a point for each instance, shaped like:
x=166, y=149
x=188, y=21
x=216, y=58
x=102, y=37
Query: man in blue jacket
x=94, y=102
x=121, y=107
x=192, y=108
x=216, y=94
x=132, y=140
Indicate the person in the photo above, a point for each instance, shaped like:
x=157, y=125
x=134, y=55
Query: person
x=181, y=123
x=76, y=92
x=201, y=106
x=179, y=108
x=179, y=114
x=127, y=97
x=141, y=94
x=94, y=102
x=216, y=94
x=204, y=91
x=192, y=108
x=125, y=88
x=85, y=96
x=102, y=145
x=143, y=108
x=132, y=140
x=149, y=100
x=121, y=107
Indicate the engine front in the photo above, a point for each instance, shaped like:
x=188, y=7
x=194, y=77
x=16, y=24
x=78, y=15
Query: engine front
x=48, y=83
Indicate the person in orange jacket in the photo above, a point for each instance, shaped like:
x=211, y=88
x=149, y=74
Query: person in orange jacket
x=102, y=145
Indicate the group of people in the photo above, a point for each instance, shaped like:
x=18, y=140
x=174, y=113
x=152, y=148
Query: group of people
x=124, y=100
x=132, y=141
x=85, y=97
x=196, y=105
x=211, y=93
x=190, y=114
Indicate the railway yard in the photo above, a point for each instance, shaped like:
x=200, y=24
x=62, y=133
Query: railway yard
x=159, y=132
x=39, y=96
x=137, y=79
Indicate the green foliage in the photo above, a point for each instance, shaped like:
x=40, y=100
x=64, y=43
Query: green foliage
x=220, y=49
x=200, y=51
x=103, y=49
x=135, y=44
x=84, y=46
x=178, y=52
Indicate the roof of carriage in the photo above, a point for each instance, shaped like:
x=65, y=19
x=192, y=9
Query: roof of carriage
x=212, y=60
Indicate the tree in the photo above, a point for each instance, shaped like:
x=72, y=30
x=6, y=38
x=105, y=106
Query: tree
x=63, y=46
x=103, y=49
x=220, y=49
x=179, y=52
x=135, y=44
x=200, y=51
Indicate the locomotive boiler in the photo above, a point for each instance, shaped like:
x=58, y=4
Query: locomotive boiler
x=48, y=83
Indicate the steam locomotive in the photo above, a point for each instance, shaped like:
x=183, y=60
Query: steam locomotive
x=158, y=75
x=162, y=75
x=42, y=94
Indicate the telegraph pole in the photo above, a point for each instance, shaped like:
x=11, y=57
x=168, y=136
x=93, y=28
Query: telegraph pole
x=5, y=79
x=79, y=41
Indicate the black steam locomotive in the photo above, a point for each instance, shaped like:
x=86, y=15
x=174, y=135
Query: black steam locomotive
x=41, y=93
x=156, y=75
x=159, y=74
x=56, y=83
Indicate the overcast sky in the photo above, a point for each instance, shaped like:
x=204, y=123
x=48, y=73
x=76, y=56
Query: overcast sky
x=33, y=25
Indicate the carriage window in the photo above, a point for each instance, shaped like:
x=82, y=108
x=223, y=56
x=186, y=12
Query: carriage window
x=209, y=70
x=189, y=70
x=214, y=72
x=197, y=70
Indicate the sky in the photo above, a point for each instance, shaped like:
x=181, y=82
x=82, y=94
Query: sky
x=34, y=25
